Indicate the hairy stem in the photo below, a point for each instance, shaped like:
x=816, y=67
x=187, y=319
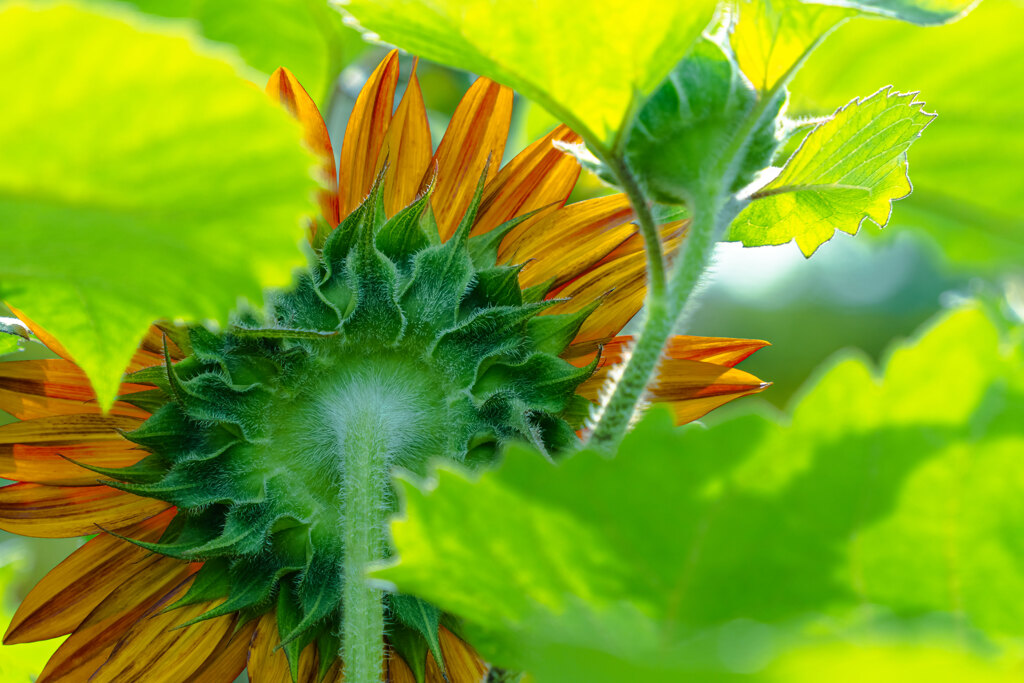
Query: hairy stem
x=364, y=496
x=661, y=318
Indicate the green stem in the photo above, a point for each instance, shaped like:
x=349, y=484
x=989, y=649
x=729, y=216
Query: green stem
x=364, y=494
x=661, y=318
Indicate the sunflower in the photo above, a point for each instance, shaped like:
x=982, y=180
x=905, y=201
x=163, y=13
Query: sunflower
x=452, y=304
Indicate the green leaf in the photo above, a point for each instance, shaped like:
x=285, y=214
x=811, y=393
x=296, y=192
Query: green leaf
x=587, y=63
x=771, y=36
x=968, y=188
x=900, y=491
x=849, y=168
x=12, y=334
x=680, y=138
x=423, y=618
x=140, y=178
x=306, y=36
x=922, y=12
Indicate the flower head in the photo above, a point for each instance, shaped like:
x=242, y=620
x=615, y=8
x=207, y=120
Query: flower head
x=453, y=304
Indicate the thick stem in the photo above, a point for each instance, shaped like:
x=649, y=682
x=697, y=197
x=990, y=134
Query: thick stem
x=364, y=496
x=660, y=322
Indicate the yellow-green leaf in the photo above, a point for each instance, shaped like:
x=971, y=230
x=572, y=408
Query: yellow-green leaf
x=588, y=63
x=848, y=169
x=141, y=177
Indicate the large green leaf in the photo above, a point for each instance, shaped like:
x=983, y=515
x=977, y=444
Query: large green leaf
x=588, y=63
x=306, y=36
x=901, y=492
x=968, y=188
x=849, y=168
x=139, y=179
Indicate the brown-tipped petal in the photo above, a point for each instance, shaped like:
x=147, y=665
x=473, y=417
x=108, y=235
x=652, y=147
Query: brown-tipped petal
x=539, y=176
x=364, y=135
x=267, y=664
x=90, y=645
x=475, y=140
x=228, y=658
x=41, y=450
x=152, y=647
x=39, y=388
x=63, y=512
x=463, y=663
x=61, y=601
x=564, y=244
x=284, y=88
x=406, y=149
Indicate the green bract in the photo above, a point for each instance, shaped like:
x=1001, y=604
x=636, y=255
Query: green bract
x=427, y=349
x=688, y=130
x=141, y=178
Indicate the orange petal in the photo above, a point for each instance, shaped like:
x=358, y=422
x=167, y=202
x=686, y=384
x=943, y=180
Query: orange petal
x=61, y=601
x=270, y=665
x=90, y=645
x=286, y=89
x=228, y=658
x=32, y=450
x=364, y=135
x=564, y=244
x=475, y=140
x=539, y=176
x=724, y=351
x=63, y=512
x=463, y=663
x=621, y=279
x=48, y=339
x=406, y=149
x=39, y=388
x=153, y=646
x=398, y=670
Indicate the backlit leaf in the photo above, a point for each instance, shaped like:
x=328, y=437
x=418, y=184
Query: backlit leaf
x=140, y=178
x=900, y=492
x=923, y=12
x=587, y=63
x=849, y=168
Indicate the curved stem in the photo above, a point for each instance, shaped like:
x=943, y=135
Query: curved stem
x=364, y=493
x=659, y=324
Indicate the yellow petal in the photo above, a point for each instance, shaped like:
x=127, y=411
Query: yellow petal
x=61, y=601
x=41, y=450
x=64, y=512
x=286, y=89
x=464, y=665
x=475, y=140
x=228, y=658
x=267, y=664
x=539, y=176
x=406, y=149
x=564, y=244
x=153, y=648
x=39, y=388
x=364, y=135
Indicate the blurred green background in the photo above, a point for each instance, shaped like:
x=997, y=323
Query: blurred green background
x=961, y=236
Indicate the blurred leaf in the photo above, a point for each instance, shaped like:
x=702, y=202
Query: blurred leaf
x=139, y=179
x=683, y=130
x=901, y=492
x=849, y=168
x=923, y=12
x=771, y=36
x=306, y=36
x=968, y=188
x=586, y=63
